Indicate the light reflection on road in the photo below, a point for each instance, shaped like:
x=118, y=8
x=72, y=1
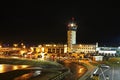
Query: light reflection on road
x=24, y=77
x=76, y=69
x=7, y=67
x=28, y=75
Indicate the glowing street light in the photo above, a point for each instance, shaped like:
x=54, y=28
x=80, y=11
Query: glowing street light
x=15, y=45
x=42, y=49
x=0, y=46
x=24, y=46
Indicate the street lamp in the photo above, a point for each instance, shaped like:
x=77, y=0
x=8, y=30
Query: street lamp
x=0, y=46
x=15, y=45
x=24, y=46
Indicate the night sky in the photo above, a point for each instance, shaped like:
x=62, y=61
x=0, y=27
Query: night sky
x=46, y=22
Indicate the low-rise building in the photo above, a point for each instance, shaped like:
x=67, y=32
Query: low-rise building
x=107, y=50
x=84, y=48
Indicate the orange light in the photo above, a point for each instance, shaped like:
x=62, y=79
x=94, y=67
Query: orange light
x=80, y=70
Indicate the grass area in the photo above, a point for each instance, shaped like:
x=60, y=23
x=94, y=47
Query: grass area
x=113, y=61
x=29, y=62
x=94, y=63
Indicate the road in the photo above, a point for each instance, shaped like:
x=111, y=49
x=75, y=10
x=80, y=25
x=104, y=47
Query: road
x=113, y=73
x=76, y=69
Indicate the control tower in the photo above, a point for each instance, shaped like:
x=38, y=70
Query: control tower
x=71, y=34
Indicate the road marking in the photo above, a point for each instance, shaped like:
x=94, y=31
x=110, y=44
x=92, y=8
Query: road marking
x=113, y=73
x=95, y=71
x=103, y=74
x=104, y=71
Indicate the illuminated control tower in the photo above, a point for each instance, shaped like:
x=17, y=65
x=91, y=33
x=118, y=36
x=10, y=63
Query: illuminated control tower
x=71, y=34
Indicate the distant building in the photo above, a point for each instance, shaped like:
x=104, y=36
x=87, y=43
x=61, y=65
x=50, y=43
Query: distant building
x=71, y=35
x=55, y=48
x=76, y=48
x=9, y=49
x=98, y=58
x=107, y=50
x=84, y=48
x=72, y=47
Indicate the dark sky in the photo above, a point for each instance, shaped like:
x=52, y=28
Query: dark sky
x=34, y=22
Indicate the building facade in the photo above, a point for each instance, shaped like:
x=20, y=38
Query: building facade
x=76, y=48
x=107, y=50
x=84, y=48
x=71, y=35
